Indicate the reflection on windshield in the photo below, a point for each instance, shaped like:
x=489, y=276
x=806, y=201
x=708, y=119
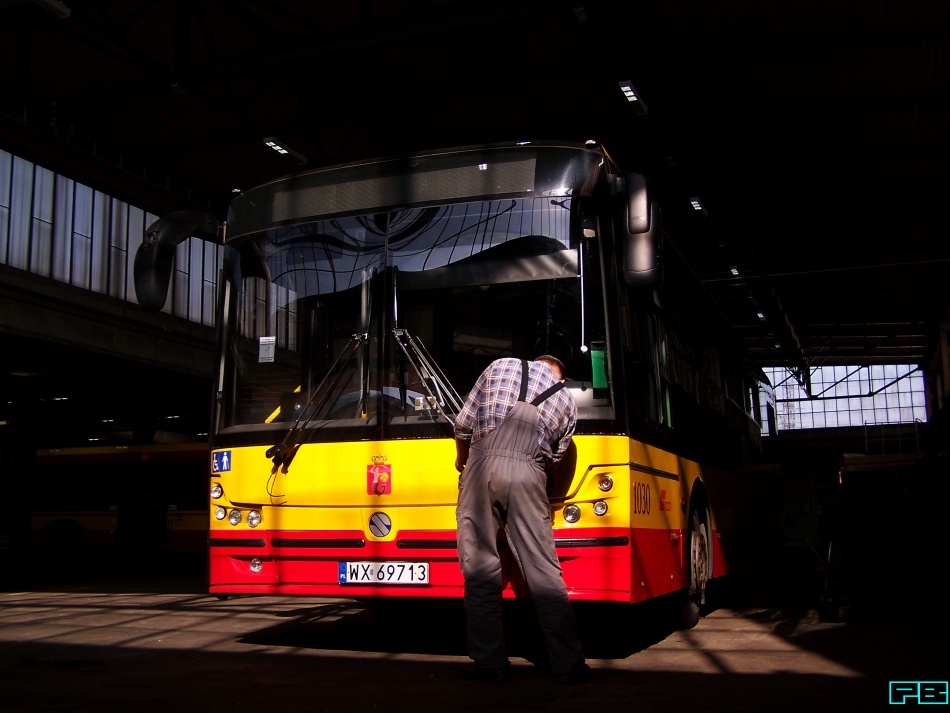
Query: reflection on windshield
x=333, y=255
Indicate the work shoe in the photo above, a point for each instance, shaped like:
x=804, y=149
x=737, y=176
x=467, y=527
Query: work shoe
x=579, y=674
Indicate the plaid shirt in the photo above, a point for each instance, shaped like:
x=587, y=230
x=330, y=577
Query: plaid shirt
x=495, y=394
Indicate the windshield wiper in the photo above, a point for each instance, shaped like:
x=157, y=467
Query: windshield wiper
x=440, y=392
x=282, y=452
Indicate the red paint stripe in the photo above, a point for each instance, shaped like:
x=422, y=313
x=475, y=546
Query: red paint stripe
x=648, y=566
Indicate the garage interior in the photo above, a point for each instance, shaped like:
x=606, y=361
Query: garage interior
x=799, y=151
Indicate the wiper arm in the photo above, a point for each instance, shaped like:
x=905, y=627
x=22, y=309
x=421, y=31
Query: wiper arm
x=441, y=393
x=281, y=451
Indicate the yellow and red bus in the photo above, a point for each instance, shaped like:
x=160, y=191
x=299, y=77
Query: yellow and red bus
x=87, y=504
x=359, y=303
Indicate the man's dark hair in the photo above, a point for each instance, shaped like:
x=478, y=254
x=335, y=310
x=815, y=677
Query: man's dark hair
x=555, y=362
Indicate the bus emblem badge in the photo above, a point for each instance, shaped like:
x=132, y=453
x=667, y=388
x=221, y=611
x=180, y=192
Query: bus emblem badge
x=380, y=524
x=379, y=477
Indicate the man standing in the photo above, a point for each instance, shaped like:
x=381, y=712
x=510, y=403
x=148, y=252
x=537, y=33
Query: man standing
x=516, y=423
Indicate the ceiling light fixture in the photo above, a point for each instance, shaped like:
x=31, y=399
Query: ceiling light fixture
x=630, y=92
x=283, y=149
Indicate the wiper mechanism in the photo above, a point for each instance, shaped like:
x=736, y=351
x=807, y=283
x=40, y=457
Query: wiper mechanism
x=282, y=452
x=441, y=394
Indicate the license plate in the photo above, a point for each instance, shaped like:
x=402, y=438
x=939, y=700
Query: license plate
x=384, y=572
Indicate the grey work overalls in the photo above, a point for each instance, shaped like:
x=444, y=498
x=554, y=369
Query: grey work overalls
x=504, y=482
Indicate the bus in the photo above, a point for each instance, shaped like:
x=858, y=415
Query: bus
x=87, y=507
x=358, y=304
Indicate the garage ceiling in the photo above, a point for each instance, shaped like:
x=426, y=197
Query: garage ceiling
x=814, y=133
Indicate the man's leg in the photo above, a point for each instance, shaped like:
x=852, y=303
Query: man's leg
x=532, y=539
x=478, y=524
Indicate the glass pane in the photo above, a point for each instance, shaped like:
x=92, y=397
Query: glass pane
x=101, y=217
x=79, y=264
x=20, y=214
x=41, y=248
x=62, y=228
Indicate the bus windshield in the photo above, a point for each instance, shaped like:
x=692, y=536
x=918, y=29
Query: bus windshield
x=326, y=308
x=377, y=324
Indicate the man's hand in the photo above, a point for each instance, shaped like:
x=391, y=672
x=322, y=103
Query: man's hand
x=461, y=454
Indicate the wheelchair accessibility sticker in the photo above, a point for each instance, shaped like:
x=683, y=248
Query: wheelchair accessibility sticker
x=221, y=461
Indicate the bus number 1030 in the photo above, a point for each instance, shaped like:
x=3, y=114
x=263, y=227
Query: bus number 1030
x=641, y=499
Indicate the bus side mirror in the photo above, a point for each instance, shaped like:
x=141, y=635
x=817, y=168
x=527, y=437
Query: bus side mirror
x=642, y=267
x=152, y=268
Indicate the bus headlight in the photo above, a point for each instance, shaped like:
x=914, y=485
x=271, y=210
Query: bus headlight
x=216, y=491
x=220, y=513
x=572, y=513
x=254, y=518
x=256, y=565
x=235, y=517
x=605, y=483
x=600, y=508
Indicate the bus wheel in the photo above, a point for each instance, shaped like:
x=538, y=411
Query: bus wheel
x=698, y=566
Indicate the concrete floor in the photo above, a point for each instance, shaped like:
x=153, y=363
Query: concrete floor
x=133, y=644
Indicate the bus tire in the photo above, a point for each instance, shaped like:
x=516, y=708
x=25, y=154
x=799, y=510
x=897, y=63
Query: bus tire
x=698, y=566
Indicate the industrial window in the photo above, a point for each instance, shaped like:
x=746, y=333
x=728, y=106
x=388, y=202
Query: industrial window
x=56, y=227
x=848, y=396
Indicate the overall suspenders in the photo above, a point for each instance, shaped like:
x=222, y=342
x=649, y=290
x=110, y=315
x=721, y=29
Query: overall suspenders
x=547, y=393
